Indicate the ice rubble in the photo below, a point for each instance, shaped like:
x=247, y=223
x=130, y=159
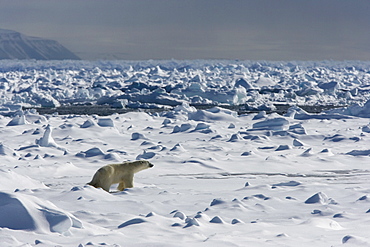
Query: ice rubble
x=152, y=84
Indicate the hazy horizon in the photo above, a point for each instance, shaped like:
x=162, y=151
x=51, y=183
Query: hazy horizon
x=197, y=29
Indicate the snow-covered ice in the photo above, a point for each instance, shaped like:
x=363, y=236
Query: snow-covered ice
x=157, y=84
x=220, y=179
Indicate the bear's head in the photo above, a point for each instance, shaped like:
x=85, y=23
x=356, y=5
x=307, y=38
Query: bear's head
x=143, y=164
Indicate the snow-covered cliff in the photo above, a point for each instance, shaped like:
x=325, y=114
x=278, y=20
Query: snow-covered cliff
x=14, y=45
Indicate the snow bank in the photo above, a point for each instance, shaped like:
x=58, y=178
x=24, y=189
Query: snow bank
x=11, y=181
x=24, y=212
x=213, y=114
x=272, y=124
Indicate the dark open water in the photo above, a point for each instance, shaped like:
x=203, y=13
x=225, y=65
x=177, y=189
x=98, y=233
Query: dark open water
x=107, y=110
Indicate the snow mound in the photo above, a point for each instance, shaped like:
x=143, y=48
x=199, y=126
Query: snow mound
x=324, y=223
x=241, y=82
x=235, y=138
x=182, y=128
x=260, y=115
x=217, y=220
x=137, y=136
x=297, y=143
x=265, y=82
x=307, y=153
x=5, y=150
x=145, y=155
x=217, y=201
x=24, y=212
x=191, y=222
x=18, y=120
x=366, y=128
x=11, y=181
x=202, y=128
x=282, y=147
x=112, y=157
x=351, y=240
x=297, y=129
x=247, y=153
x=359, y=152
x=88, y=193
x=278, y=123
x=105, y=122
x=88, y=123
x=184, y=107
x=335, y=138
x=92, y=152
x=179, y=215
x=47, y=140
x=132, y=222
x=290, y=183
x=319, y=197
x=213, y=114
x=178, y=147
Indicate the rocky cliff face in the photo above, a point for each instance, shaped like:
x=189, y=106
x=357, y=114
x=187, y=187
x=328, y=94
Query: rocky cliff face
x=14, y=45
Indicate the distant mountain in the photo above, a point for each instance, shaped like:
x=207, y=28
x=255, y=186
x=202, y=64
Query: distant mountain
x=14, y=45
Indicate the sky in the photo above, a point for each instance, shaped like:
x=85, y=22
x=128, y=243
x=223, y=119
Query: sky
x=198, y=29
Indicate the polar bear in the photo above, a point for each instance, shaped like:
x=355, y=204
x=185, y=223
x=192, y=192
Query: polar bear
x=122, y=173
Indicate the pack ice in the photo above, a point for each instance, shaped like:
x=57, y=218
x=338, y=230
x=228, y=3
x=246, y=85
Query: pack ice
x=220, y=178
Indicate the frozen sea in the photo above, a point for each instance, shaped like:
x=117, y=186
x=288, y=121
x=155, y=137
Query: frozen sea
x=221, y=177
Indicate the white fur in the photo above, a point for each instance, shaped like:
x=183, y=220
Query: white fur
x=122, y=173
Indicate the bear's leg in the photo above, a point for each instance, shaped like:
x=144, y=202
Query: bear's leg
x=128, y=181
x=106, y=186
x=121, y=186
